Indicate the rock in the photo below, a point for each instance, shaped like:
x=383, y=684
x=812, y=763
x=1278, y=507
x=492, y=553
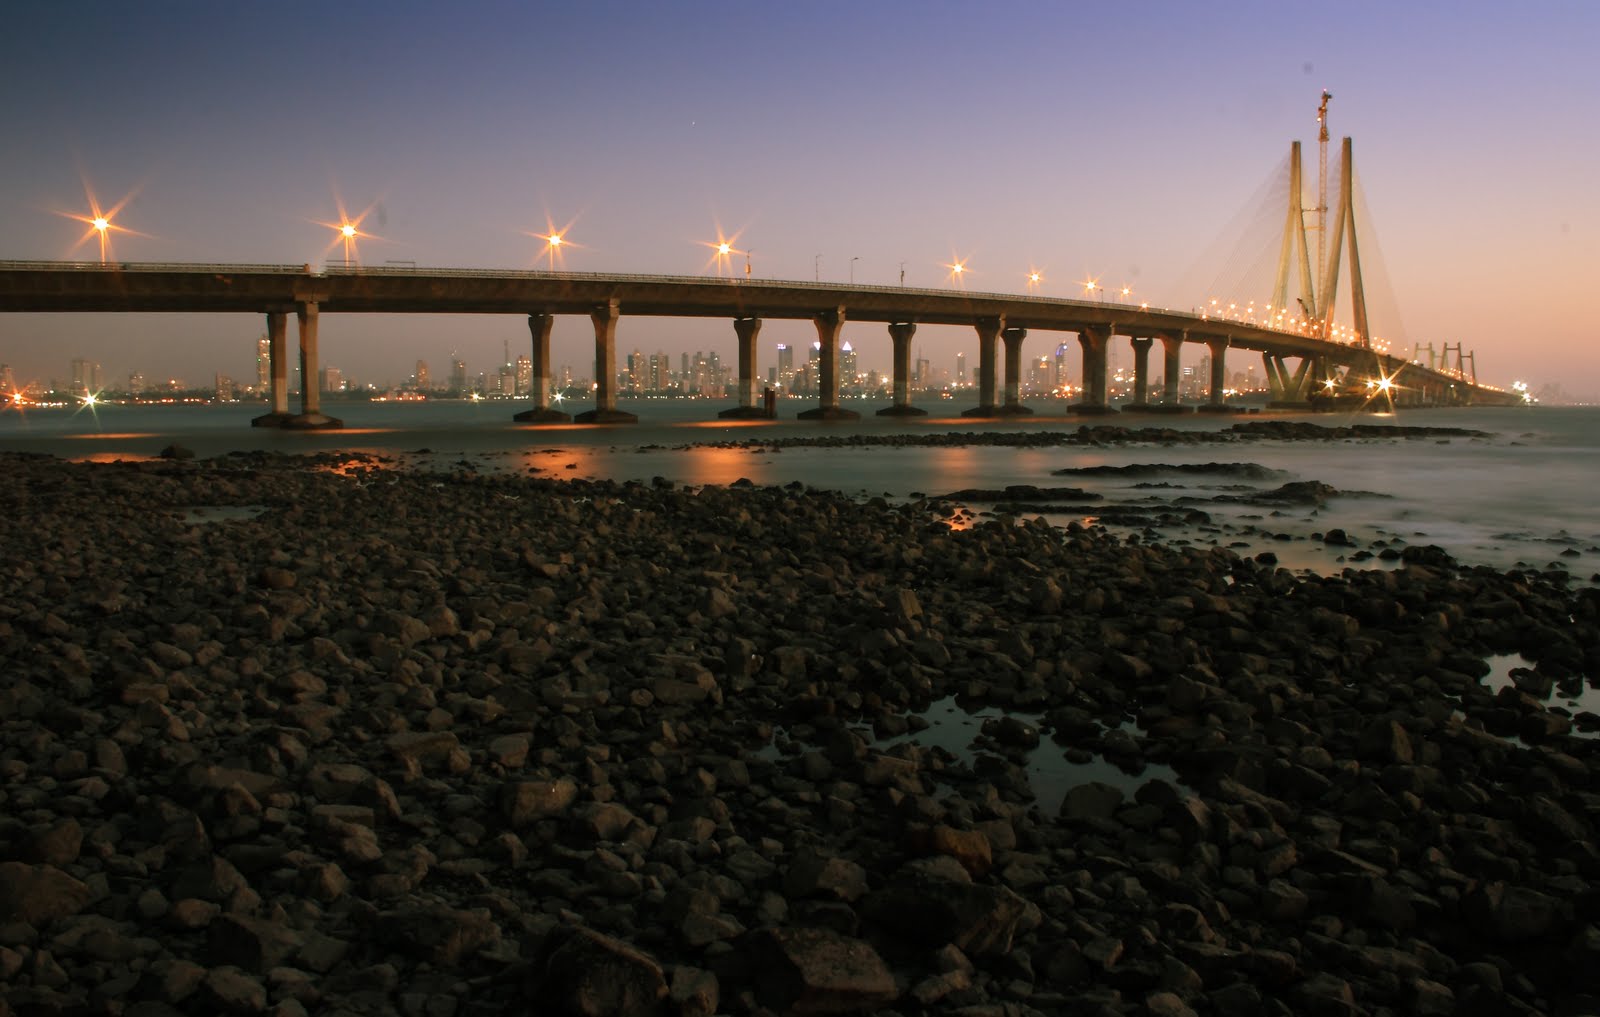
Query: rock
x=1512, y=914
x=1094, y=800
x=817, y=971
x=57, y=844
x=694, y=992
x=230, y=990
x=39, y=894
x=176, y=451
x=977, y=918
x=814, y=875
x=439, y=935
x=969, y=847
x=593, y=975
x=251, y=944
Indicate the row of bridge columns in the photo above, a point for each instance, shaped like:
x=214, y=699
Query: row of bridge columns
x=1094, y=340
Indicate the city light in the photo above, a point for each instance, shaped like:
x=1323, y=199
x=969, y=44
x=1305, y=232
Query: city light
x=958, y=271
x=101, y=224
x=346, y=232
x=556, y=241
x=722, y=252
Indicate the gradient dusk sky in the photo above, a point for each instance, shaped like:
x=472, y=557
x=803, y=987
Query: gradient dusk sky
x=1114, y=142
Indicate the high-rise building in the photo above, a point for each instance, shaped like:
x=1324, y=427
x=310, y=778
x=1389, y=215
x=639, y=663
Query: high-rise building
x=263, y=362
x=524, y=375
x=1059, y=379
x=660, y=373
x=785, y=376
x=848, y=371
x=421, y=381
x=961, y=368
x=330, y=379
x=85, y=376
x=224, y=388
x=8, y=382
x=634, y=380
x=458, y=376
x=136, y=383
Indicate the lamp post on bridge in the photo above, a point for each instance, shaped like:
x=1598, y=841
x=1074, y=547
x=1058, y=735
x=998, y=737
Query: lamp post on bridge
x=816, y=268
x=853, y=270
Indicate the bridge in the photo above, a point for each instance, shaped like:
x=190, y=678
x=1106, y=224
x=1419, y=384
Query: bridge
x=1329, y=364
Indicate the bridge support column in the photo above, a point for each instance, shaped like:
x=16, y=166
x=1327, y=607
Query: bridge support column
x=829, y=324
x=539, y=327
x=900, y=334
x=605, y=370
x=1013, y=405
x=310, y=417
x=1095, y=341
x=1172, y=371
x=1216, y=400
x=989, y=330
x=1141, y=373
x=1285, y=389
x=749, y=407
x=277, y=369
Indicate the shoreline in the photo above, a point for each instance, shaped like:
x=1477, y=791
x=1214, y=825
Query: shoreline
x=438, y=741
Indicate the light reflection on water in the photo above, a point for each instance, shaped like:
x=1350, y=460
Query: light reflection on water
x=1521, y=498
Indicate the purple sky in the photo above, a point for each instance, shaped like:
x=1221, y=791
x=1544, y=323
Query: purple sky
x=1114, y=142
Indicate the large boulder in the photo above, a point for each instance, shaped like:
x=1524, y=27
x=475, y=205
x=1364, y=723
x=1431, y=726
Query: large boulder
x=593, y=975
x=39, y=894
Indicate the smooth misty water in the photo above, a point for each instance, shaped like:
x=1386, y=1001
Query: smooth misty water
x=1523, y=497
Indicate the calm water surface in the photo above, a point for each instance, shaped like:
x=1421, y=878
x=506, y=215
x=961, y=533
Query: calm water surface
x=1523, y=497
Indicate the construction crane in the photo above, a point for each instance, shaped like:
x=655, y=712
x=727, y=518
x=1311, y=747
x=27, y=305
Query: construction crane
x=1322, y=188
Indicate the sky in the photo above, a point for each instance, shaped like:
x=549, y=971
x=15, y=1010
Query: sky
x=1118, y=143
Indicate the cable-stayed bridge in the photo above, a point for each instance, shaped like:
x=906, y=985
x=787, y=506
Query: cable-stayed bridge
x=1309, y=358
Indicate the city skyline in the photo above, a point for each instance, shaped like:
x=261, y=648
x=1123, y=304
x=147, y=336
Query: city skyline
x=855, y=153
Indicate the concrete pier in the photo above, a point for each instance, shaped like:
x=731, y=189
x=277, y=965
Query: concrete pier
x=310, y=417
x=1288, y=390
x=605, y=409
x=750, y=406
x=539, y=328
x=829, y=324
x=900, y=334
x=1095, y=341
x=989, y=330
x=1216, y=395
x=1141, y=371
x=278, y=370
x=1172, y=368
x=1013, y=407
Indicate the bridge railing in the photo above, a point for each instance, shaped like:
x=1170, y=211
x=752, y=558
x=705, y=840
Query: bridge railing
x=148, y=266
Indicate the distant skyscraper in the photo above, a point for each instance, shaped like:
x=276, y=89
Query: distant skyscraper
x=785, y=365
x=263, y=362
x=224, y=388
x=524, y=375
x=8, y=383
x=421, y=379
x=330, y=379
x=961, y=368
x=848, y=372
x=1059, y=380
x=458, y=376
x=85, y=376
x=136, y=383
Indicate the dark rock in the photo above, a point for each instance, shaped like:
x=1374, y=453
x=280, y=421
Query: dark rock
x=816, y=971
x=592, y=975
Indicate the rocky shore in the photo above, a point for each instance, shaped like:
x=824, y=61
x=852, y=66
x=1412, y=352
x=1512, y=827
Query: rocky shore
x=278, y=740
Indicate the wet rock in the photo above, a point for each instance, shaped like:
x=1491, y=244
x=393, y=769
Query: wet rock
x=977, y=918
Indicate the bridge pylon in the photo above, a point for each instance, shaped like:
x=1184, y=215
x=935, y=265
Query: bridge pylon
x=1316, y=297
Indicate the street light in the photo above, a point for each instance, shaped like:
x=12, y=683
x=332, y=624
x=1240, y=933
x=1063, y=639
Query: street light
x=1034, y=278
x=853, y=270
x=958, y=270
